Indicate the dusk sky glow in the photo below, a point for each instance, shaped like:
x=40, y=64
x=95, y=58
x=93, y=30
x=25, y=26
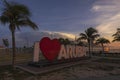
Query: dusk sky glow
x=70, y=16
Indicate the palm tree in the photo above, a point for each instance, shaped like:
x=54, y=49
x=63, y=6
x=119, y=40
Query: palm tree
x=16, y=16
x=90, y=35
x=116, y=35
x=102, y=41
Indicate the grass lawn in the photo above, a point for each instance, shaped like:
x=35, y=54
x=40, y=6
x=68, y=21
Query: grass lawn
x=21, y=57
x=7, y=73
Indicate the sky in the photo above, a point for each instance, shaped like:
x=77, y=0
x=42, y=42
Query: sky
x=69, y=17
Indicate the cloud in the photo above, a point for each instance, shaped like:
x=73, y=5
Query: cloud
x=108, y=16
x=67, y=35
x=28, y=38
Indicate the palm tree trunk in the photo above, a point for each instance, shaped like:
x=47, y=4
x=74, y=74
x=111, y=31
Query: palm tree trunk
x=13, y=49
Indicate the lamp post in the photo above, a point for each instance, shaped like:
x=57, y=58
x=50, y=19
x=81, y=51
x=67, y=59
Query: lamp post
x=75, y=42
x=90, y=42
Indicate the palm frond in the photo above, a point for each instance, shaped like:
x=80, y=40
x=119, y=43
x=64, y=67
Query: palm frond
x=27, y=22
x=83, y=36
x=19, y=8
x=4, y=19
x=116, y=35
x=102, y=40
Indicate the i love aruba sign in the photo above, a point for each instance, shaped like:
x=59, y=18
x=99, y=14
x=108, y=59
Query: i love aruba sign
x=53, y=49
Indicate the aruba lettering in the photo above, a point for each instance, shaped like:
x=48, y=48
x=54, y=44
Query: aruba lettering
x=66, y=52
x=71, y=51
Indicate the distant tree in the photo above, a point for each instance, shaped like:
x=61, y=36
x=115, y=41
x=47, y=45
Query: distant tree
x=80, y=42
x=102, y=41
x=90, y=35
x=24, y=47
x=116, y=36
x=5, y=42
x=16, y=16
x=64, y=41
x=61, y=40
x=67, y=41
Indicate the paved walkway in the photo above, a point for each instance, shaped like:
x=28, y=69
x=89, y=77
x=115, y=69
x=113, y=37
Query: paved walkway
x=97, y=57
x=101, y=78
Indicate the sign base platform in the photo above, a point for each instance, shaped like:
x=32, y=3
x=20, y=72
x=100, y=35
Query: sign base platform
x=45, y=63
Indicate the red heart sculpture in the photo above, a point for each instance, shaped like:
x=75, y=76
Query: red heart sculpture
x=50, y=48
